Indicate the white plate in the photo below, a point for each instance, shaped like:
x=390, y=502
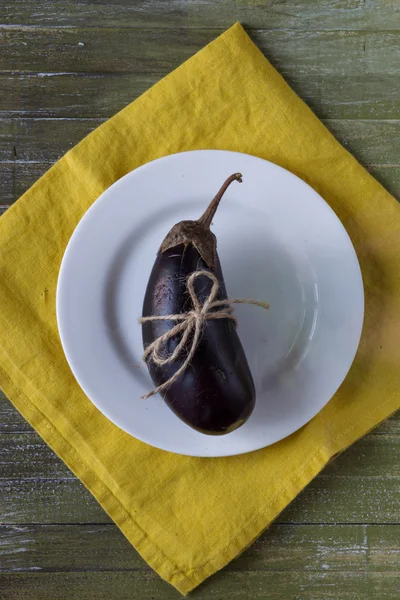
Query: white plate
x=278, y=241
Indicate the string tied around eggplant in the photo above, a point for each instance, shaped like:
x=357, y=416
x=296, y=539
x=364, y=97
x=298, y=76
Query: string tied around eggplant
x=188, y=323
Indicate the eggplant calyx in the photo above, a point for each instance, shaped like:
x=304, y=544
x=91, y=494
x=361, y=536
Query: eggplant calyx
x=198, y=232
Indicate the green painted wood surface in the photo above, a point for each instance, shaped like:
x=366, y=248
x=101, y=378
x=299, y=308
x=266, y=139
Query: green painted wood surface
x=65, y=66
x=160, y=50
x=375, y=142
x=259, y=585
x=326, y=500
x=102, y=547
x=24, y=455
x=75, y=94
x=189, y=14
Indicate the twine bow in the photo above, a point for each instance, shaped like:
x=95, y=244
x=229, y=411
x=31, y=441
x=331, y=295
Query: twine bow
x=190, y=322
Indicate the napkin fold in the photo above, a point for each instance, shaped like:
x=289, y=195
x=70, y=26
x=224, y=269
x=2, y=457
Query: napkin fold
x=188, y=517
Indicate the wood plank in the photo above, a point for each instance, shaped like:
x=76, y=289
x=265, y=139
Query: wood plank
x=48, y=501
x=372, y=456
x=16, y=178
x=367, y=56
x=273, y=585
x=27, y=456
x=371, y=142
x=45, y=140
x=280, y=548
x=389, y=177
x=10, y=419
x=302, y=14
x=328, y=499
x=41, y=140
x=328, y=90
x=346, y=500
x=72, y=95
x=100, y=50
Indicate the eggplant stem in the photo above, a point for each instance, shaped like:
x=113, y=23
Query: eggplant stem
x=207, y=216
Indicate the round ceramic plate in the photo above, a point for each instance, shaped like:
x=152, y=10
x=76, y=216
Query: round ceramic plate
x=278, y=241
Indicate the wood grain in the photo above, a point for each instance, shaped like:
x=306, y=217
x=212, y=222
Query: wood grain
x=280, y=548
x=101, y=95
x=45, y=140
x=334, y=498
x=339, y=55
x=25, y=455
x=259, y=585
x=10, y=419
x=16, y=177
x=355, y=75
x=269, y=14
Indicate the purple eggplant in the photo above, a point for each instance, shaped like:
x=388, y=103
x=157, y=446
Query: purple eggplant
x=215, y=393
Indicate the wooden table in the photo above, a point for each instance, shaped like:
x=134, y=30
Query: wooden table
x=66, y=66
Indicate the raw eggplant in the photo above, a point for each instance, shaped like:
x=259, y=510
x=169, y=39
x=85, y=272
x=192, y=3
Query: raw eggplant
x=215, y=394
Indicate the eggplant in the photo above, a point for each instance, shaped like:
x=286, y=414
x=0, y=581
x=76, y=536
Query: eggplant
x=215, y=393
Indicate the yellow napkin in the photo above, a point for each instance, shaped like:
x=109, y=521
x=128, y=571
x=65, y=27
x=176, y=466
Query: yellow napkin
x=189, y=517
